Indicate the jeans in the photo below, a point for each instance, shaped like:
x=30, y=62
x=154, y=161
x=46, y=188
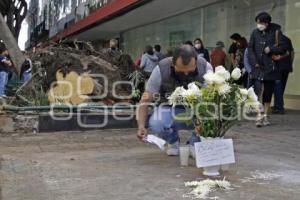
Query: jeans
x=3, y=82
x=257, y=86
x=163, y=125
x=279, y=91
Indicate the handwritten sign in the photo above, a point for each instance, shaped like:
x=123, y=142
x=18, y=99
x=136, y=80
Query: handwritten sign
x=214, y=152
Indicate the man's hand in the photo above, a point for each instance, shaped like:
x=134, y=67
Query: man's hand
x=142, y=133
x=257, y=65
x=267, y=50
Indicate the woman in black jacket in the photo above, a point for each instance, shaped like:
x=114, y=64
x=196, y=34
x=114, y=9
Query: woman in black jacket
x=199, y=47
x=266, y=40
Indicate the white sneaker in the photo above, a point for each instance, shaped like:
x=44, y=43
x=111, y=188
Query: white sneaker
x=173, y=149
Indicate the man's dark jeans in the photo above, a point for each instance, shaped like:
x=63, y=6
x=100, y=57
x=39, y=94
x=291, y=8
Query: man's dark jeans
x=280, y=86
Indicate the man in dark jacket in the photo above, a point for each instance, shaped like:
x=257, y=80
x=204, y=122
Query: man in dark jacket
x=265, y=41
x=285, y=66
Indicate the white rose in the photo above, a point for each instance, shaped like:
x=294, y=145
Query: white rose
x=236, y=74
x=177, y=96
x=221, y=71
x=193, y=89
x=251, y=95
x=213, y=78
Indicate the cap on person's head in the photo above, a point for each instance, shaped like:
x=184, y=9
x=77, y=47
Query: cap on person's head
x=220, y=44
x=263, y=17
x=186, y=53
x=235, y=36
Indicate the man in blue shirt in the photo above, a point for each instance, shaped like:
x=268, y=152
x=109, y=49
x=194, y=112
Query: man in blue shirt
x=5, y=64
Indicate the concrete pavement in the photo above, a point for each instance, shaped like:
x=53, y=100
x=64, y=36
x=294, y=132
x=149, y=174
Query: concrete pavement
x=113, y=165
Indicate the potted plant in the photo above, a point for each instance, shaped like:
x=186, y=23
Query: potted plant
x=214, y=107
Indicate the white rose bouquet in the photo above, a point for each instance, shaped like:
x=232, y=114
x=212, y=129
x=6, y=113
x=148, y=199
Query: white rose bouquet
x=217, y=105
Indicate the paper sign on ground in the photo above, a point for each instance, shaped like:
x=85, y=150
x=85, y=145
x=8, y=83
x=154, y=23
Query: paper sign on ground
x=214, y=152
x=157, y=141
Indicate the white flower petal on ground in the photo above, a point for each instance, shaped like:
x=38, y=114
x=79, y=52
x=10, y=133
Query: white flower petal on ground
x=201, y=189
x=236, y=74
x=221, y=71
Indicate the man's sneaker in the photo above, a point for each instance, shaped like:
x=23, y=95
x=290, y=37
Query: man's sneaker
x=266, y=121
x=173, y=149
x=3, y=96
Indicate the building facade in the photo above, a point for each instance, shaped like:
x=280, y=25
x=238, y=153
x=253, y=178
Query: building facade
x=171, y=22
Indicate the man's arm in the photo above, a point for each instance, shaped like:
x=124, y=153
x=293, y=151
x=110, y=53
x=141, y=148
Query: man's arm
x=153, y=87
x=142, y=115
x=251, y=54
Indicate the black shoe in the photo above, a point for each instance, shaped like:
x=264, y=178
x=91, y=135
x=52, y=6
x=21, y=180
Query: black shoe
x=278, y=112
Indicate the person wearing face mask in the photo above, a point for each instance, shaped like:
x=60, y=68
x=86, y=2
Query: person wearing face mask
x=201, y=51
x=148, y=61
x=183, y=68
x=113, y=50
x=266, y=41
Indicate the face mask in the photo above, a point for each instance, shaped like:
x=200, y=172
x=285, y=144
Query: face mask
x=198, y=46
x=261, y=27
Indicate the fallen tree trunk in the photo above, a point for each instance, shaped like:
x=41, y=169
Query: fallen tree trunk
x=78, y=74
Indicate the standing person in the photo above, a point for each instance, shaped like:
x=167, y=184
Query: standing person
x=183, y=68
x=285, y=66
x=233, y=48
x=149, y=61
x=26, y=68
x=200, y=49
x=157, y=52
x=218, y=56
x=113, y=50
x=242, y=44
x=5, y=64
x=262, y=46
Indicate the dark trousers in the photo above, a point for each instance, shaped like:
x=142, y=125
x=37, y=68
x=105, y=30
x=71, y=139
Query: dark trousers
x=269, y=86
x=279, y=90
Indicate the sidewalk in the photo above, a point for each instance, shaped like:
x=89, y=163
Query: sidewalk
x=113, y=165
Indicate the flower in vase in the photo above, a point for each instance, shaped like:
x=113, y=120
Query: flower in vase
x=251, y=95
x=178, y=96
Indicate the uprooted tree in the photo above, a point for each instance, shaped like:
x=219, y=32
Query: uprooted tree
x=75, y=73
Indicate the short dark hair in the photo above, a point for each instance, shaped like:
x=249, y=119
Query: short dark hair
x=263, y=17
x=186, y=53
x=188, y=43
x=149, y=50
x=157, y=47
x=235, y=36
